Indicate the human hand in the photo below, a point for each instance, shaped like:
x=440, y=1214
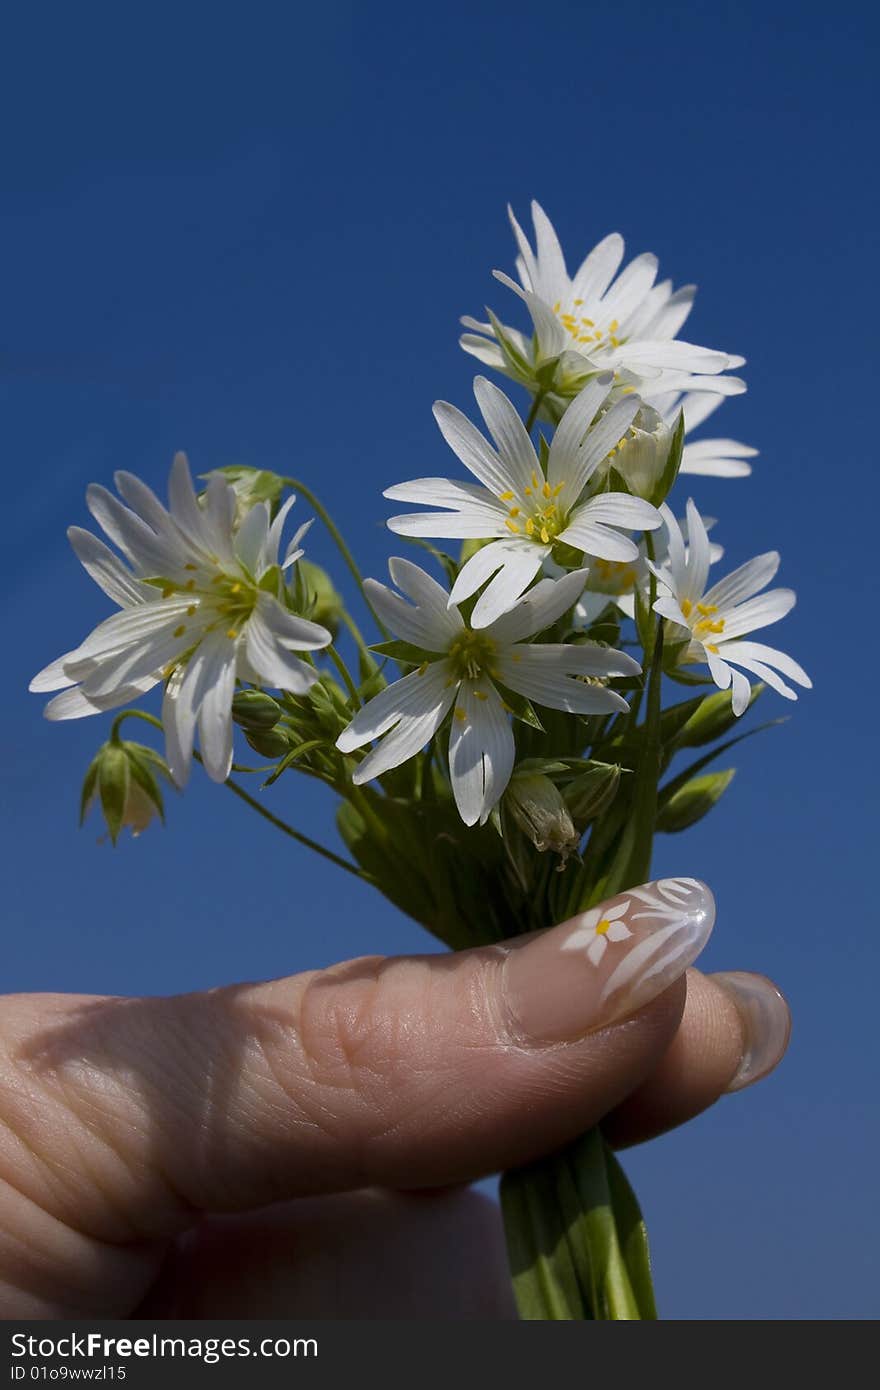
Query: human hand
x=296, y=1148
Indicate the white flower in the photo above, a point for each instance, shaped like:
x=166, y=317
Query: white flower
x=202, y=603
x=617, y=581
x=717, y=458
x=596, y=928
x=591, y=322
x=716, y=619
x=462, y=669
x=516, y=502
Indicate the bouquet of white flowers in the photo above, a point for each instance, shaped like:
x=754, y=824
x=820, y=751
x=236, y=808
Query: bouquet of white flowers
x=502, y=753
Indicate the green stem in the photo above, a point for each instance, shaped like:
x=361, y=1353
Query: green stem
x=246, y=797
x=289, y=830
x=340, y=542
x=345, y=674
x=532, y=416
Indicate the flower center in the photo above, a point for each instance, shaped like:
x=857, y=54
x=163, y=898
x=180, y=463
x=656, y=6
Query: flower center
x=702, y=623
x=539, y=515
x=585, y=330
x=602, y=927
x=228, y=600
x=471, y=653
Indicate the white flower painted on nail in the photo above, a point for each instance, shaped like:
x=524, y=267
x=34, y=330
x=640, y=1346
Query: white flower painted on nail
x=596, y=928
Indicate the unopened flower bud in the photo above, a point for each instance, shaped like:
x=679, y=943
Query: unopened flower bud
x=122, y=779
x=641, y=456
x=537, y=807
x=269, y=743
x=589, y=794
x=254, y=709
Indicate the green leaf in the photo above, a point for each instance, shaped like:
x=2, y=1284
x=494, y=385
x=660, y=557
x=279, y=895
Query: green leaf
x=693, y=801
x=712, y=718
x=113, y=786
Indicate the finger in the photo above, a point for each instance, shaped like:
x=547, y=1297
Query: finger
x=734, y=1031
x=442, y=1257
x=123, y=1118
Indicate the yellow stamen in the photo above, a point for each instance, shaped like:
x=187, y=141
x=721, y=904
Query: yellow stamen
x=512, y=526
x=686, y=606
x=193, y=608
x=505, y=496
x=179, y=631
x=190, y=567
x=481, y=695
x=530, y=527
x=546, y=490
x=515, y=511
x=545, y=535
x=460, y=714
x=707, y=608
x=231, y=633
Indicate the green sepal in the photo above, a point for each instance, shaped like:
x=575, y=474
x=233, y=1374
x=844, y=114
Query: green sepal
x=141, y=773
x=113, y=786
x=519, y=707
x=271, y=581
x=398, y=650
x=88, y=787
x=693, y=801
x=667, y=478
x=519, y=365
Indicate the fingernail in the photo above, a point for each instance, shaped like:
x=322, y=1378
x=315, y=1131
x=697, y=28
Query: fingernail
x=766, y=1024
x=607, y=962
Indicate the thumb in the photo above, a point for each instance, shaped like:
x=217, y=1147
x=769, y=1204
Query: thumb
x=124, y=1119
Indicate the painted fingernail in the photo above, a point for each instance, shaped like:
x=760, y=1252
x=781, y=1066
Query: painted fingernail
x=766, y=1024
x=608, y=962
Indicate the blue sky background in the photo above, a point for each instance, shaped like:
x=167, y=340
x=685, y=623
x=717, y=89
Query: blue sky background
x=250, y=235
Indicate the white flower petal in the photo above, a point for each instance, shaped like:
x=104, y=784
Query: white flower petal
x=745, y=581
x=743, y=652
x=514, y=446
x=598, y=269
x=215, y=715
x=481, y=750
x=107, y=570
x=539, y=609
x=412, y=697
x=412, y=726
x=531, y=677
x=294, y=632
x=518, y=570
x=596, y=540
x=758, y=612
x=250, y=539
